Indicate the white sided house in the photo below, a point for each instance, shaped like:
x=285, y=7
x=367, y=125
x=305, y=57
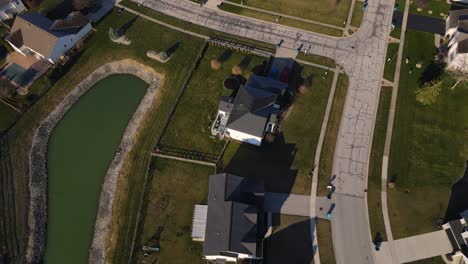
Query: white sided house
x=457, y=32
x=34, y=34
x=252, y=113
x=9, y=8
x=457, y=232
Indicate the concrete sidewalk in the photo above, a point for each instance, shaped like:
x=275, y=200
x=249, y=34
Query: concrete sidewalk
x=414, y=248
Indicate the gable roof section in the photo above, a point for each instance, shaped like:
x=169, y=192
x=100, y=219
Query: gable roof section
x=247, y=115
x=71, y=24
x=267, y=84
x=232, y=225
x=33, y=29
x=40, y=33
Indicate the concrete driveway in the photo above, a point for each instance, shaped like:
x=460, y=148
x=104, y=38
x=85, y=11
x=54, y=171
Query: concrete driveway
x=291, y=204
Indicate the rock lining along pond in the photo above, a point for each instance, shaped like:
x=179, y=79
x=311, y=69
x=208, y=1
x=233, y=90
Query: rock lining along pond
x=38, y=158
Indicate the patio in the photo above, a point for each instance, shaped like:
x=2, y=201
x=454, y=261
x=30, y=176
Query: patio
x=22, y=70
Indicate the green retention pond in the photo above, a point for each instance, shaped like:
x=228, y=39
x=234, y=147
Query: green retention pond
x=80, y=150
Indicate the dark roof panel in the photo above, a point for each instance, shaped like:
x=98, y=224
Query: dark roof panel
x=230, y=221
x=457, y=229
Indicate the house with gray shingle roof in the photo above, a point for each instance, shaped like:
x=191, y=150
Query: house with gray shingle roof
x=9, y=8
x=457, y=32
x=234, y=221
x=252, y=112
x=35, y=34
x=457, y=232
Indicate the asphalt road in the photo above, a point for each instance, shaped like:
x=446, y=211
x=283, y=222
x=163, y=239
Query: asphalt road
x=362, y=57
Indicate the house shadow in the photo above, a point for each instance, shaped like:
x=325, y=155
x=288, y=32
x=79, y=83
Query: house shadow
x=458, y=199
x=269, y=163
x=290, y=245
x=61, y=10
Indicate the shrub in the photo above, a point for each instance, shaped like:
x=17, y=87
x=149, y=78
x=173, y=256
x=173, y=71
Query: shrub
x=215, y=65
x=237, y=70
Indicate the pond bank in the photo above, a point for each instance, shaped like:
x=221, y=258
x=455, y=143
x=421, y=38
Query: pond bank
x=38, y=158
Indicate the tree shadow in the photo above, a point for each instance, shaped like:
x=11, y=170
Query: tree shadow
x=290, y=245
x=432, y=72
x=245, y=61
x=225, y=55
x=458, y=199
x=123, y=29
x=269, y=163
x=172, y=48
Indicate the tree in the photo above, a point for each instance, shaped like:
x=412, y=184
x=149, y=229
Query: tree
x=429, y=92
x=215, y=64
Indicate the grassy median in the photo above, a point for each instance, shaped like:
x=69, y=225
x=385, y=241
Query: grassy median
x=391, y=61
x=331, y=135
x=374, y=185
x=282, y=21
x=327, y=11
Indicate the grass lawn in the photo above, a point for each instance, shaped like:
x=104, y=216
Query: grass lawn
x=375, y=165
x=190, y=125
x=429, y=145
x=392, y=54
x=193, y=27
x=284, y=165
x=434, y=260
x=290, y=241
x=303, y=126
x=175, y=187
x=317, y=59
x=283, y=21
x=396, y=33
x=326, y=11
x=356, y=19
x=7, y=116
x=325, y=243
x=98, y=51
x=437, y=7
x=328, y=147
